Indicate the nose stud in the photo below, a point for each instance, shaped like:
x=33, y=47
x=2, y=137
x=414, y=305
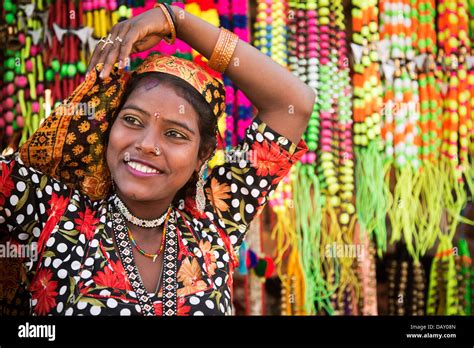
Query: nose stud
x=157, y=151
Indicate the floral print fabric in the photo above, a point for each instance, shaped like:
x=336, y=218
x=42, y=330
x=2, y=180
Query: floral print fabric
x=78, y=270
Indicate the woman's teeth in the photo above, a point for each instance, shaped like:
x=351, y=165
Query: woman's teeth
x=142, y=168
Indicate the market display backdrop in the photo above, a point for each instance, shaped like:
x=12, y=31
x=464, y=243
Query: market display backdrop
x=389, y=173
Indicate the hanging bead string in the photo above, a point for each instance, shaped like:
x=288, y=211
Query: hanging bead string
x=342, y=117
x=393, y=31
x=406, y=281
x=327, y=158
x=425, y=44
x=33, y=61
x=65, y=66
x=312, y=51
x=401, y=113
x=301, y=45
x=402, y=287
x=366, y=77
x=391, y=272
x=454, y=45
x=470, y=125
x=418, y=290
x=470, y=120
x=344, y=97
x=310, y=76
x=367, y=108
x=271, y=38
x=12, y=75
x=22, y=115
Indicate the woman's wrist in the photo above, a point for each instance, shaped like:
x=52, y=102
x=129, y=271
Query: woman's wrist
x=179, y=14
x=164, y=29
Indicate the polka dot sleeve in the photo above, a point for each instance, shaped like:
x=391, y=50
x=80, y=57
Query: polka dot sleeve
x=238, y=189
x=31, y=203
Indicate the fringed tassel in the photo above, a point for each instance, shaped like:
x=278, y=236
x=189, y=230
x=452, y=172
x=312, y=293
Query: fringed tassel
x=430, y=196
x=371, y=196
x=296, y=279
x=454, y=195
x=405, y=208
x=308, y=229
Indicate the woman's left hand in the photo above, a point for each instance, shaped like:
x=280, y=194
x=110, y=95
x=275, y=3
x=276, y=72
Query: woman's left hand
x=137, y=34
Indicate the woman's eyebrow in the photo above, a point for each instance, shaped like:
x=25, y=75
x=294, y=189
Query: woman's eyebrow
x=178, y=123
x=181, y=124
x=137, y=108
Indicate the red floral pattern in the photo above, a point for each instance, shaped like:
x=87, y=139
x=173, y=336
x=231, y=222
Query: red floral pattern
x=43, y=290
x=57, y=205
x=6, y=182
x=86, y=223
x=112, y=276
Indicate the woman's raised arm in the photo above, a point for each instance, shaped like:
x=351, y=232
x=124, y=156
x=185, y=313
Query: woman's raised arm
x=284, y=102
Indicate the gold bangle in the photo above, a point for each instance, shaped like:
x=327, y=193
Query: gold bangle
x=168, y=40
x=223, y=51
x=232, y=41
x=216, y=52
x=226, y=50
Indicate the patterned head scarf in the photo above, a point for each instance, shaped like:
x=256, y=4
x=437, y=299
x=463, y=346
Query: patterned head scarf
x=70, y=144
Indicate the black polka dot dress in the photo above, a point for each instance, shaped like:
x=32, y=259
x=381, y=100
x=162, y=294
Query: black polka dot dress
x=78, y=270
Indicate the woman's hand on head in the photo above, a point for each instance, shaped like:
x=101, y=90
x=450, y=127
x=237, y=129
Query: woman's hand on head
x=138, y=34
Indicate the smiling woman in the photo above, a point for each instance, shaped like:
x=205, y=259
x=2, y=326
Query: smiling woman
x=178, y=122
x=124, y=219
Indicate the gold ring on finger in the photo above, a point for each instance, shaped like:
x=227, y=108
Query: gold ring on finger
x=108, y=41
x=102, y=40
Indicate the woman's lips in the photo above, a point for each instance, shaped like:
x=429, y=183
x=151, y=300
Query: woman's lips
x=138, y=173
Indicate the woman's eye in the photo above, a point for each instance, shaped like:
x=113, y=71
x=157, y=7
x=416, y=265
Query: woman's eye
x=132, y=120
x=176, y=134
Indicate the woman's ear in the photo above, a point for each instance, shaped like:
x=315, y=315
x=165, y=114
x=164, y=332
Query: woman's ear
x=205, y=155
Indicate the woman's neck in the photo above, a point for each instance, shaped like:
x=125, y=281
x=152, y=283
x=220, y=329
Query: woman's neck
x=147, y=210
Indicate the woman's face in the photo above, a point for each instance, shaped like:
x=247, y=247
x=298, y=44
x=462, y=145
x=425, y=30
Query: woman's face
x=153, y=116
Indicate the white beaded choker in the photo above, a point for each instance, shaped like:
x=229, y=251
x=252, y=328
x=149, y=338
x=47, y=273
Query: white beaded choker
x=135, y=220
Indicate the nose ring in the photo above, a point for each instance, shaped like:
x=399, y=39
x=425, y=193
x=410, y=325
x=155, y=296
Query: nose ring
x=157, y=151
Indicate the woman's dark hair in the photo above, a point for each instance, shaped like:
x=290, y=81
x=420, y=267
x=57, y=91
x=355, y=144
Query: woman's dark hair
x=206, y=121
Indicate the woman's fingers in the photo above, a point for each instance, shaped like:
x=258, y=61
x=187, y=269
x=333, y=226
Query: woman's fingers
x=110, y=57
x=135, y=35
x=127, y=46
x=95, y=56
x=102, y=48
